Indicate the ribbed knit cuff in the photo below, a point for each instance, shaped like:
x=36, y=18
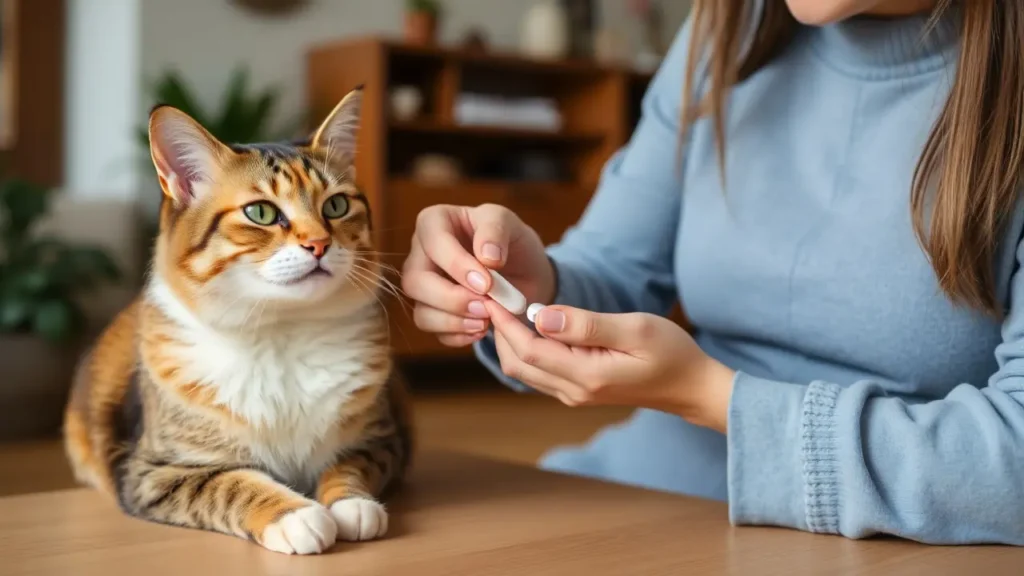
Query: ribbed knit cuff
x=765, y=467
x=783, y=466
x=820, y=462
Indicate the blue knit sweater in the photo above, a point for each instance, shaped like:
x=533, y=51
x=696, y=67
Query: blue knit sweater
x=865, y=401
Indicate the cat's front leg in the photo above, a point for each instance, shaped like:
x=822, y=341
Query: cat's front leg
x=350, y=489
x=239, y=501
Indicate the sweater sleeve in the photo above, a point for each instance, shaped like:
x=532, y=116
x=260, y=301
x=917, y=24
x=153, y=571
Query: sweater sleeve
x=619, y=256
x=854, y=461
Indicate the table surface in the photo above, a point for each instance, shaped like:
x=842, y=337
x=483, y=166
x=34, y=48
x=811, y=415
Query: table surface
x=465, y=515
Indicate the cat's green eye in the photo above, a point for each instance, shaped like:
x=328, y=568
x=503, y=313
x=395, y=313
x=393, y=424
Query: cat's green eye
x=262, y=213
x=335, y=207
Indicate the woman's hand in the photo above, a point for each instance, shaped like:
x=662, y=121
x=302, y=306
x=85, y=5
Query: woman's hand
x=445, y=272
x=637, y=360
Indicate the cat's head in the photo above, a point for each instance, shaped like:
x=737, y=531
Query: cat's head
x=249, y=229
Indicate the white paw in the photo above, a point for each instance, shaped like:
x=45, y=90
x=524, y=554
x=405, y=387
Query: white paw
x=359, y=519
x=308, y=530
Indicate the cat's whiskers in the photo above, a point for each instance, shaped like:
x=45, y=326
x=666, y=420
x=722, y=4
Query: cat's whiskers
x=245, y=320
x=382, y=281
x=229, y=307
x=360, y=257
x=372, y=278
x=259, y=319
x=357, y=281
x=376, y=253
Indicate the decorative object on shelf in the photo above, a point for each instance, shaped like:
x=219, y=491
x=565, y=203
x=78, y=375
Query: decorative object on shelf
x=475, y=40
x=526, y=166
x=492, y=110
x=421, y=21
x=436, y=170
x=537, y=167
x=581, y=27
x=611, y=47
x=652, y=44
x=545, y=30
x=406, y=102
x=272, y=7
x=41, y=321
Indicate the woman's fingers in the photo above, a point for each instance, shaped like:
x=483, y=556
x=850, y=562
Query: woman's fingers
x=434, y=320
x=492, y=227
x=513, y=367
x=438, y=236
x=546, y=355
x=459, y=340
x=422, y=283
x=577, y=327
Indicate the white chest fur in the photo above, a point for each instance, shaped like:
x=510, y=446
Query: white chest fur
x=289, y=382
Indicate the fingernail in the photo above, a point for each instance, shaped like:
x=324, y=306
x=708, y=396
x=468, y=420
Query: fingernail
x=477, y=308
x=473, y=325
x=476, y=280
x=551, y=320
x=492, y=252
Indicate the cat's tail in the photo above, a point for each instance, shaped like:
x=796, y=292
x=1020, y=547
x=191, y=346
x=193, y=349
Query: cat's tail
x=94, y=433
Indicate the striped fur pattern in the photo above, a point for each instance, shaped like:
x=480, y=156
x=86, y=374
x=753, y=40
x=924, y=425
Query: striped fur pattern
x=249, y=389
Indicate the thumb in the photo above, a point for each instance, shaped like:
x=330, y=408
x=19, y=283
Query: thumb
x=492, y=227
x=578, y=327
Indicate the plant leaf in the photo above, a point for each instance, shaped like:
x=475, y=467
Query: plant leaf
x=54, y=320
x=23, y=203
x=33, y=281
x=260, y=115
x=174, y=91
x=233, y=112
x=14, y=312
x=93, y=261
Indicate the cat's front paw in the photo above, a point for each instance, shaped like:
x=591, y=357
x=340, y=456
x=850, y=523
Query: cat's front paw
x=359, y=519
x=308, y=530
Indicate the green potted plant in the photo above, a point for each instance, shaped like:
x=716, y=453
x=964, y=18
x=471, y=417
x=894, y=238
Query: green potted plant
x=41, y=320
x=421, y=21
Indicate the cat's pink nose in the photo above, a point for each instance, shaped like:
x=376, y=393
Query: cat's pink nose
x=317, y=246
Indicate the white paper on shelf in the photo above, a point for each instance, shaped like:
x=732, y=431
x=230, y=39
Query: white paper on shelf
x=490, y=110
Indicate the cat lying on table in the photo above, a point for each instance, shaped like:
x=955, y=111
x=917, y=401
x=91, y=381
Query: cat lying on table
x=249, y=389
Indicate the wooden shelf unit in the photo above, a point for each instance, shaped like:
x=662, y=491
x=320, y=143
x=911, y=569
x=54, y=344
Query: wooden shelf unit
x=599, y=106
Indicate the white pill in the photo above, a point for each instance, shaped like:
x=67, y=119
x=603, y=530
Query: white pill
x=505, y=293
x=533, y=310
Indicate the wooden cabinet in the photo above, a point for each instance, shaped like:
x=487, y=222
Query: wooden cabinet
x=598, y=106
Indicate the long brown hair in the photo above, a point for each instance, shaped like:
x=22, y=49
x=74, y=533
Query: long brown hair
x=968, y=176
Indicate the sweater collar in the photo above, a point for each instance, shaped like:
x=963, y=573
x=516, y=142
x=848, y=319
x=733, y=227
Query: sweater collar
x=879, y=48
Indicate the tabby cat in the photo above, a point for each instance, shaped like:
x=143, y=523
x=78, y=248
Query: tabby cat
x=249, y=388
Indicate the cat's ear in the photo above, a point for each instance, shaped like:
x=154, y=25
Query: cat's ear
x=187, y=157
x=337, y=135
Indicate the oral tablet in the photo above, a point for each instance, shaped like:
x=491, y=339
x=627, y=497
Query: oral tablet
x=505, y=293
x=533, y=310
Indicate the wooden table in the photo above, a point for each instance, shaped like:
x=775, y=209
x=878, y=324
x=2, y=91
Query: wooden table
x=464, y=515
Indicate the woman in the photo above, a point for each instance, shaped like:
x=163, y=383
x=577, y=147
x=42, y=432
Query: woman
x=842, y=227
